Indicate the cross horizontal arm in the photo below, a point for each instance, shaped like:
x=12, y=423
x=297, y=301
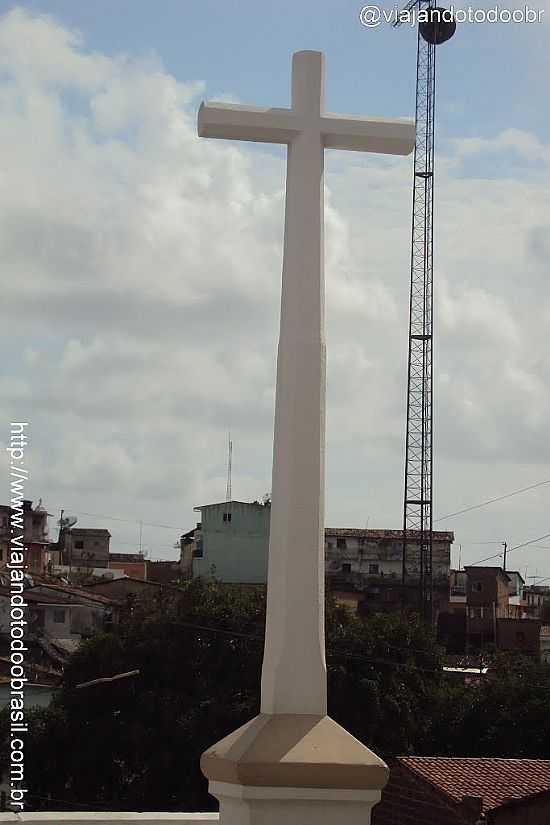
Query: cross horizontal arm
x=390, y=137
x=234, y=122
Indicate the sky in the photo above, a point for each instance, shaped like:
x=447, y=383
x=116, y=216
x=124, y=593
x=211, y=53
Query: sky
x=141, y=267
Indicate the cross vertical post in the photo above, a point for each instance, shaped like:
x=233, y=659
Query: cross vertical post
x=292, y=763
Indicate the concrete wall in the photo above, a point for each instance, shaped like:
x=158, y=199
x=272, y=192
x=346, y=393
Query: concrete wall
x=235, y=550
x=55, y=629
x=94, y=551
x=235, y=547
x=522, y=635
x=94, y=818
x=133, y=569
x=530, y=812
x=406, y=800
x=380, y=555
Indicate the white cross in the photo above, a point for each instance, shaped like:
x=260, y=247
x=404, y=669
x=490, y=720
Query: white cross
x=294, y=670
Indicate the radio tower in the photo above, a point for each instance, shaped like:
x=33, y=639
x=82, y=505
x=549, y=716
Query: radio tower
x=433, y=29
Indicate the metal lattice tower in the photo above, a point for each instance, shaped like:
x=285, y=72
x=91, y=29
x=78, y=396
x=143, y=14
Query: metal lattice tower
x=417, y=505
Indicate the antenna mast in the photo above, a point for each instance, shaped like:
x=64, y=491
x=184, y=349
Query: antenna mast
x=435, y=26
x=228, y=493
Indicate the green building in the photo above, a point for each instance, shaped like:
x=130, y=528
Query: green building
x=232, y=542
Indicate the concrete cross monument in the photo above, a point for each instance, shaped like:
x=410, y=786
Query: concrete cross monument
x=292, y=764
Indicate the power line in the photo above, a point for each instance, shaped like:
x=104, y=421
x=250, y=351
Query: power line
x=493, y=500
x=517, y=547
x=126, y=520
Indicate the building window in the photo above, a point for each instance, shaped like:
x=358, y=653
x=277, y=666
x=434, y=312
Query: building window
x=59, y=616
x=227, y=517
x=373, y=569
x=477, y=587
x=346, y=568
x=79, y=545
x=341, y=544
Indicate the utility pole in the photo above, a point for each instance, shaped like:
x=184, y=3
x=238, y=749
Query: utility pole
x=505, y=545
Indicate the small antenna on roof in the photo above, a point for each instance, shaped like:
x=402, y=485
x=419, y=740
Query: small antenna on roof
x=228, y=493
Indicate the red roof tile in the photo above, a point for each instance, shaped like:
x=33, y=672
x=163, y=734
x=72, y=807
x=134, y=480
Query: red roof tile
x=497, y=781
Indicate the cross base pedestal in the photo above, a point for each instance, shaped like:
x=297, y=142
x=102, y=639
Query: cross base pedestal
x=241, y=805
x=296, y=770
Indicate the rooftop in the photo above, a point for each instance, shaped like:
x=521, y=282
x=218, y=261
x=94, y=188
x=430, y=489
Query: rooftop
x=358, y=532
x=98, y=531
x=497, y=781
x=71, y=592
x=129, y=557
x=487, y=571
x=229, y=503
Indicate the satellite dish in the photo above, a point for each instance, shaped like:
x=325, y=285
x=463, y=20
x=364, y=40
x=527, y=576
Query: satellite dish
x=67, y=522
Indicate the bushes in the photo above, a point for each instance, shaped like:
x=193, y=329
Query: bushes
x=135, y=744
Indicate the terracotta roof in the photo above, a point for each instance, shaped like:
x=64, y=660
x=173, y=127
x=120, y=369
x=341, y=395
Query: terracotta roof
x=358, y=532
x=74, y=592
x=30, y=597
x=496, y=781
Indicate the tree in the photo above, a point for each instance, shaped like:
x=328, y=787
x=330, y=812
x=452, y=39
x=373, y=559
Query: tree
x=135, y=744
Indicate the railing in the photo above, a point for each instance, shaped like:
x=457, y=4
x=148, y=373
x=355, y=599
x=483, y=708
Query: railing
x=99, y=818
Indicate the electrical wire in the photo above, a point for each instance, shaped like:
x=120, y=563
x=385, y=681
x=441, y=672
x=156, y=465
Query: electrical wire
x=492, y=500
x=517, y=547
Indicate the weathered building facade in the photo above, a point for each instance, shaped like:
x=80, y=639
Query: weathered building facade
x=85, y=547
x=234, y=541
x=371, y=562
x=362, y=566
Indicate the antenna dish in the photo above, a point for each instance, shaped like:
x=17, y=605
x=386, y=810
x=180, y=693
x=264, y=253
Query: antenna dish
x=67, y=522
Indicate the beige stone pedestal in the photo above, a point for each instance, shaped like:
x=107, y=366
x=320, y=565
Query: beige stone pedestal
x=296, y=770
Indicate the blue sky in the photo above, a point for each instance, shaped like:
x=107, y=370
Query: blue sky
x=490, y=77
x=145, y=263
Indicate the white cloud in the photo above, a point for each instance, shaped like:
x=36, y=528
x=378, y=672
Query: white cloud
x=143, y=268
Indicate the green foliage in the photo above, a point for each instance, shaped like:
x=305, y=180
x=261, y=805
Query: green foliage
x=135, y=744
x=506, y=714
